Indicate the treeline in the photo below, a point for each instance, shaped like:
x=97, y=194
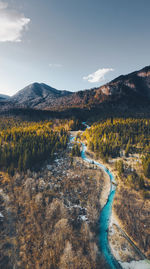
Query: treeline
x=16, y=121
x=24, y=147
x=117, y=137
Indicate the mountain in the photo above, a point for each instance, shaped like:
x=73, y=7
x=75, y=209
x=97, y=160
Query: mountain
x=132, y=87
x=38, y=94
x=125, y=94
x=128, y=91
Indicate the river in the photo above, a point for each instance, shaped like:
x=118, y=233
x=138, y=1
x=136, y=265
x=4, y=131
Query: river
x=105, y=213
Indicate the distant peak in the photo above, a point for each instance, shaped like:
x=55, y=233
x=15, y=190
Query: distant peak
x=35, y=84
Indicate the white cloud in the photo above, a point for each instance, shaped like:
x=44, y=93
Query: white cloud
x=55, y=65
x=98, y=76
x=12, y=24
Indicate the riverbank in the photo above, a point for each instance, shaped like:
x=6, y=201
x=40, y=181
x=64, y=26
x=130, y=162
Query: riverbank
x=133, y=212
x=105, y=212
x=121, y=248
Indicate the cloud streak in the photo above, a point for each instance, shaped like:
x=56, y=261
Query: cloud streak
x=98, y=76
x=12, y=24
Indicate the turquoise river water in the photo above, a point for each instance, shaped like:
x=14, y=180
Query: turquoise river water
x=105, y=214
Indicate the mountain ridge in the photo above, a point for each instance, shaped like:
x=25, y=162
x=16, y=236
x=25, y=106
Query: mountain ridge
x=131, y=91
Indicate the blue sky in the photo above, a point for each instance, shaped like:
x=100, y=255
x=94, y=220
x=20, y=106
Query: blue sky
x=71, y=44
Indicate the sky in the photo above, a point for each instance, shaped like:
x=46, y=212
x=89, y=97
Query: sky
x=71, y=44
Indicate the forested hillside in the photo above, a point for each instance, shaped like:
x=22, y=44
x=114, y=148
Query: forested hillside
x=114, y=137
x=24, y=145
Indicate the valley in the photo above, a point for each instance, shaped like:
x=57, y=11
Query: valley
x=64, y=201
x=74, y=134
x=53, y=215
x=73, y=195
